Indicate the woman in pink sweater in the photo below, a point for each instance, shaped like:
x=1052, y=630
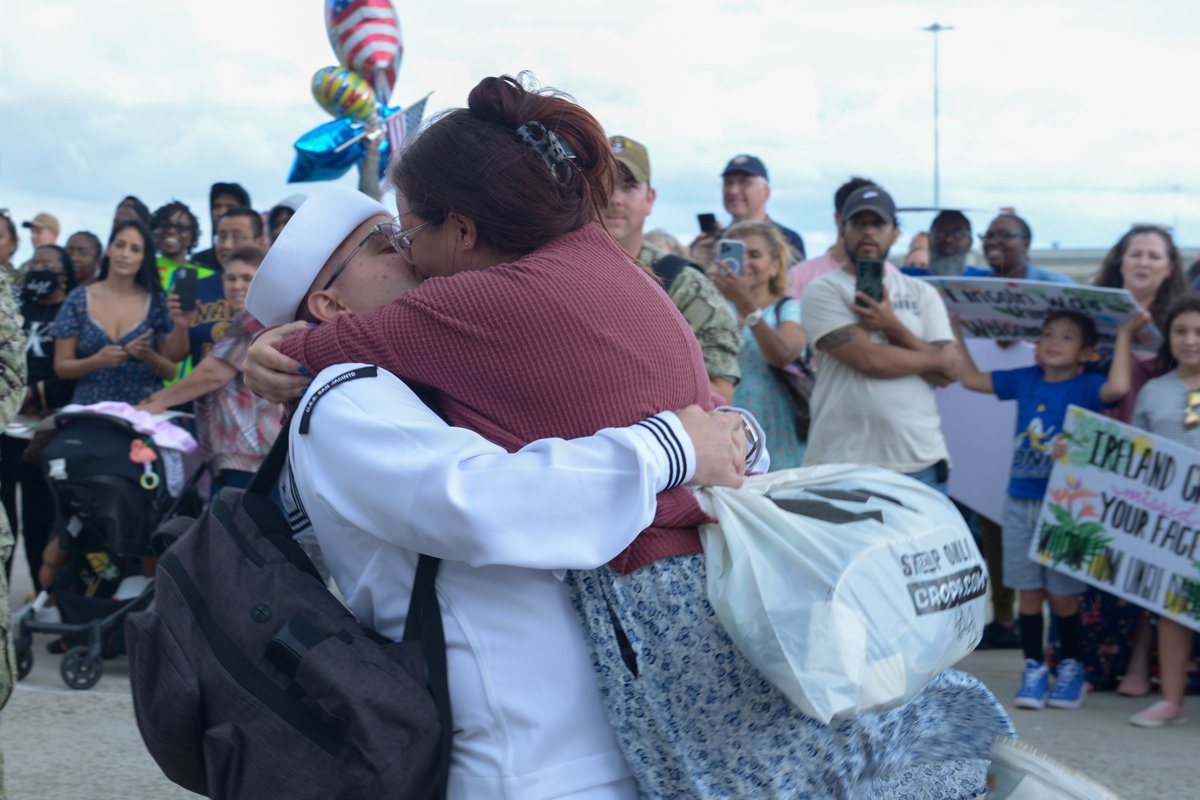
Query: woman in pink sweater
x=532, y=323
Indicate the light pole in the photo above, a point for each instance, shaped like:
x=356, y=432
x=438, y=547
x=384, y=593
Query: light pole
x=935, y=29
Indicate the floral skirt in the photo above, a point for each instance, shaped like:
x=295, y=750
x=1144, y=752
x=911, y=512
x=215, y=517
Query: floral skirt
x=696, y=720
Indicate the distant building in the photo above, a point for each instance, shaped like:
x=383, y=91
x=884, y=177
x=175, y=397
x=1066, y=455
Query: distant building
x=1080, y=264
x=1077, y=263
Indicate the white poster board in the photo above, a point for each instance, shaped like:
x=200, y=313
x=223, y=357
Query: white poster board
x=994, y=308
x=980, y=430
x=1123, y=513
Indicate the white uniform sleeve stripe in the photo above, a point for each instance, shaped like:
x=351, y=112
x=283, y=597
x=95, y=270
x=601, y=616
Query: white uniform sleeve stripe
x=670, y=444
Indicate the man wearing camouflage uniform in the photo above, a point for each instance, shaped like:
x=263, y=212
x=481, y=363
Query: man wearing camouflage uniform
x=685, y=283
x=12, y=391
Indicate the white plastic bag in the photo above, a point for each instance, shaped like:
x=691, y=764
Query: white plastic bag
x=847, y=586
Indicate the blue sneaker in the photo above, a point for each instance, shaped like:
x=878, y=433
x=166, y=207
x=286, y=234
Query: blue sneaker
x=1070, y=689
x=1035, y=685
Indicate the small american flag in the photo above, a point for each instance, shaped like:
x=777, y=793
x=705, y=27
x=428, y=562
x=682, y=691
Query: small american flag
x=403, y=123
x=365, y=35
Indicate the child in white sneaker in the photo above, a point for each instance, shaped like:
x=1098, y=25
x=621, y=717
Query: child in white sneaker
x=1043, y=393
x=1169, y=406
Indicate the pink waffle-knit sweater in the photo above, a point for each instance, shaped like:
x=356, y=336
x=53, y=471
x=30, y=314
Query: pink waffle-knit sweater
x=564, y=341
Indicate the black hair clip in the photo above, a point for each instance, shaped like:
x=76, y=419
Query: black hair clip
x=553, y=151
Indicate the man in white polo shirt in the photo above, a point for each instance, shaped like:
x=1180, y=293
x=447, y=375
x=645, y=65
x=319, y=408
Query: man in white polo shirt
x=878, y=363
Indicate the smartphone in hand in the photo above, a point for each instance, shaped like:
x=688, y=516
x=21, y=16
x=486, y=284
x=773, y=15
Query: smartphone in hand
x=870, y=279
x=731, y=253
x=185, y=288
x=708, y=223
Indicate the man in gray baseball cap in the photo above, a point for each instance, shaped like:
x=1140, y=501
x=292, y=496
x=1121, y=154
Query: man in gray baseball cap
x=879, y=359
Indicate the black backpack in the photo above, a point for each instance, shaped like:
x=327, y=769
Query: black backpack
x=251, y=680
x=669, y=266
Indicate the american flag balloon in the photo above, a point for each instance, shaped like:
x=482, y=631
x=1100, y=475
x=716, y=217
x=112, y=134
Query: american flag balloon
x=365, y=37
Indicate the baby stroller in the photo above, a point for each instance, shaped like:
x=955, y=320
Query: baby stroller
x=112, y=486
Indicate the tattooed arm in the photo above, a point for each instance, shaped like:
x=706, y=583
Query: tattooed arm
x=852, y=346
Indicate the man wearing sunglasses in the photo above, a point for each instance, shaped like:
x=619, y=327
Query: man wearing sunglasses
x=379, y=478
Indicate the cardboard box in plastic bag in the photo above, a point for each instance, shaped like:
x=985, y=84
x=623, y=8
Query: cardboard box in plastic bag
x=847, y=586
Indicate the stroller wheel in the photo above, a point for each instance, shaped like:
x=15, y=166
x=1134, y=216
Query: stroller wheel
x=24, y=648
x=79, y=669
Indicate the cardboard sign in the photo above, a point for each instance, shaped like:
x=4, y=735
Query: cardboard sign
x=994, y=308
x=1123, y=513
x=979, y=431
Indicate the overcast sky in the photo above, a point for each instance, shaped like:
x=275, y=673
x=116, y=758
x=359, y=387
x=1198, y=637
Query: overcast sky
x=1080, y=113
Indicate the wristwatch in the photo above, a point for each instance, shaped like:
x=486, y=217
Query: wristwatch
x=753, y=317
x=753, y=432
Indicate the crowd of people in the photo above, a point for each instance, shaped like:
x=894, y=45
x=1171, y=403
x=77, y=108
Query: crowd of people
x=519, y=302
x=103, y=323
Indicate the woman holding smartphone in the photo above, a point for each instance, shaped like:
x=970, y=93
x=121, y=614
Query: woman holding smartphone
x=119, y=338
x=772, y=337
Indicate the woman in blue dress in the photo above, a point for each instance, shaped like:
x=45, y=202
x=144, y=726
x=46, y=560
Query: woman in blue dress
x=771, y=335
x=119, y=338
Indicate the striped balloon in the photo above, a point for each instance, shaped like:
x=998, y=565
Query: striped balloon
x=365, y=36
x=343, y=93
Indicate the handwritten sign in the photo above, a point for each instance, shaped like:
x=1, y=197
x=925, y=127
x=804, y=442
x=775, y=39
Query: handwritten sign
x=1123, y=513
x=994, y=308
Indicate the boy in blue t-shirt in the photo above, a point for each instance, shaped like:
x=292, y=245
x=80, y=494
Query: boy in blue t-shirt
x=1043, y=393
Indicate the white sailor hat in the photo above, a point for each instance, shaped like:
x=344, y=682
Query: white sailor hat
x=319, y=227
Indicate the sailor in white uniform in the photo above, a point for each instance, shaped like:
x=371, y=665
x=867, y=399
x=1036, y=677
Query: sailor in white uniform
x=381, y=478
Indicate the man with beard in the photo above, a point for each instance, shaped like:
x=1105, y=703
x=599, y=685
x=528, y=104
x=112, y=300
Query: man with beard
x=949, y=247
x=949, y=243
x=878, y=361
x=810, y=269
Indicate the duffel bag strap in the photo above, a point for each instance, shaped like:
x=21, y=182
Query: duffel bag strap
x=424, y=613
x=424, y=623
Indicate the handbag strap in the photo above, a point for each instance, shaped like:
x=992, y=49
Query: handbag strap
x=801, y=361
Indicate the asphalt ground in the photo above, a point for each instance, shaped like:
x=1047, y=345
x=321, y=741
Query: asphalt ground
x=60, y=743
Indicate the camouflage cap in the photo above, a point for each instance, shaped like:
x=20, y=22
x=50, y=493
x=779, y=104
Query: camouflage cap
x=633, y=156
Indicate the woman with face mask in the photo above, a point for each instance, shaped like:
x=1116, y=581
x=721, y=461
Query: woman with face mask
x=50, y=276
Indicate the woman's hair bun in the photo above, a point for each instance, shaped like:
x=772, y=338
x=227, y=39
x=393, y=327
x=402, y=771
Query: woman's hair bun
x=473, y=161
x=499, y=100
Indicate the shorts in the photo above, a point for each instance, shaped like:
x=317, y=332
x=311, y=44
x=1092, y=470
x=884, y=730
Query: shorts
x=1021, y=571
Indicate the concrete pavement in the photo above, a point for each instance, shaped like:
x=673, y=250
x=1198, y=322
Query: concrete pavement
x=62, y=743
